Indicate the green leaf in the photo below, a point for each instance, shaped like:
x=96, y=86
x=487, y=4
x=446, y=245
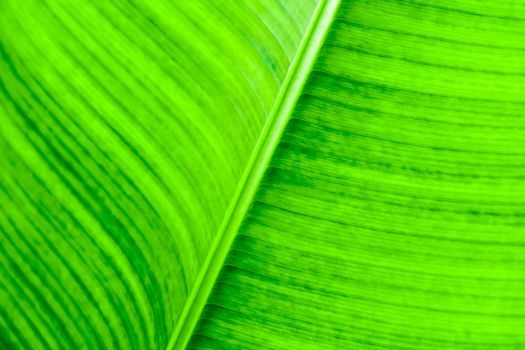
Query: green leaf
x=262, y=174
x=125, y=129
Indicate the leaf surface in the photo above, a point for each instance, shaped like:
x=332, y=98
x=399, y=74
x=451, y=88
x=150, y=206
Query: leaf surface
x=125, y=129
x=392, y=214
x=262, y=174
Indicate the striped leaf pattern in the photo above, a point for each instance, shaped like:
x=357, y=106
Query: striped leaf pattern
x=262, y=174
x=393, y=213
x=125, y=128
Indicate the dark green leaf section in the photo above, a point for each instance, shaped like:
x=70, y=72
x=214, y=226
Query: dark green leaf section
x=125, y=127
x=393, y=214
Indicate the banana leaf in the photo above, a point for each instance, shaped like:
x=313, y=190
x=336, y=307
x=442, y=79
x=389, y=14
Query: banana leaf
x=262, y=174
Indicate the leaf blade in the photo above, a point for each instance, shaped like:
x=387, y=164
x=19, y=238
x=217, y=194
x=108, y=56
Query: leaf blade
x=257, y=166
x=392, y=216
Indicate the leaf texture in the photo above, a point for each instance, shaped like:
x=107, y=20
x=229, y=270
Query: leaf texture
x=392, y=215
x=125, y=128
x=262, y=174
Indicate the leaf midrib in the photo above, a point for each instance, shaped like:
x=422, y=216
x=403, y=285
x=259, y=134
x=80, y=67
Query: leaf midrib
x=260, y=159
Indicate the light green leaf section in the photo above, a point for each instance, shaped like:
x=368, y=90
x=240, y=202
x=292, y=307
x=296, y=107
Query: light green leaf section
x=393, y=213
x=125, y=128
x=262, y=174
x=261, y=158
